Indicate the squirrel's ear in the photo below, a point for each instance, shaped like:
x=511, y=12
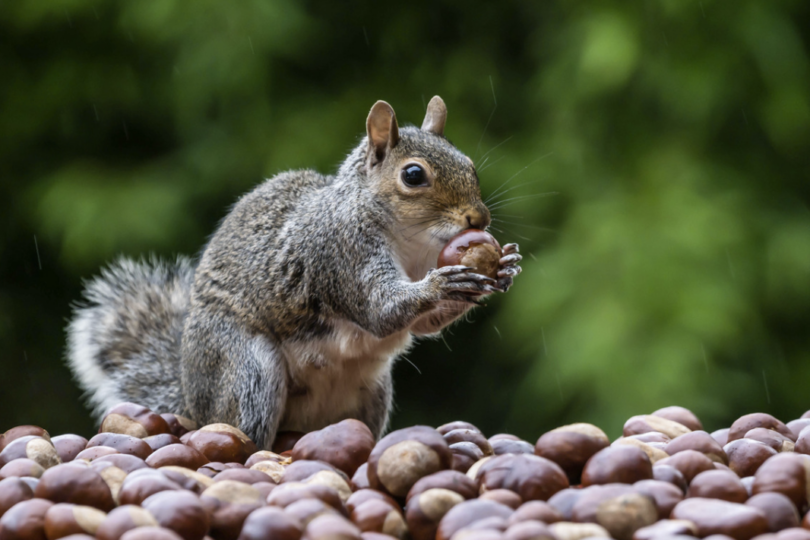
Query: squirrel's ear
x=382, y=129
x=435, y=116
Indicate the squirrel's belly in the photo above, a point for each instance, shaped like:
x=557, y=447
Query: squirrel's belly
x=329, y=377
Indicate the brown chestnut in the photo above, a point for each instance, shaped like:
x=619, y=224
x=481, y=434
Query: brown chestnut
x=473, y=248
x=510, y=446
x=376, y=515
x=305, y=510
x=535, y=511
x=141, y=484
x=13, y=491
x=271, y=522
x=91, y=454
x=266, y=455
x=179, y=425
x=360, y=478
x=125, y=462
x=465, y=454
x=125, y=444
x=778, y=509
x=746, y=423
x=724, y=485
x=531, y=477
x=623, y=515
x=803, y=442
x=665, y=494
x=132, y=419
x=564, y=501
x=796, y=426
x=179, y=455
x=699, y=441
x=160, y=440
x=77, y=484
x=456, y=424
x=180, y=511
x=452, y=480
x=221, y=442
x=623, y=464
x=721, y=436
x=571, y=447
x=64, y=519
x=713, y=516
x=528, y=530
x=229, y=503
x=25, y=520
x=68, y=446
x=655, y=454
x=331, y=527
x=427, y=508
x=123, y=519
x=21, y=467
x=646, y=423
x=248, y=476
x=666, y=528
x=465, y=513
x=31, y=447
x=667, y=473
x=564, y=530
x=404, y=456
x=345, y=445
x=318, y=472
x=690, y=463
x=363, y=495
x=746, y=455
x=471, y=436
x=286, y=494
x=681, y=415
x=786, y=473
x=504, y=496
x=22, y=431
x=149, y=533
x=772, y=438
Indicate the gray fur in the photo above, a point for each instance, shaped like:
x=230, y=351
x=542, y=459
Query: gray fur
x=301, y=302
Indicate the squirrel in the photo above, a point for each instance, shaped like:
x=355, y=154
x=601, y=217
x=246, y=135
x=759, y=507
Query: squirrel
x=303, y=298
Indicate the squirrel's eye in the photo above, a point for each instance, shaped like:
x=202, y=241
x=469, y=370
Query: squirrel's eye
x=414, y=176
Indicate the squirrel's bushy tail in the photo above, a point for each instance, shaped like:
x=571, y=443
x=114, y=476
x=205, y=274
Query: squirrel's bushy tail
x=124, y=339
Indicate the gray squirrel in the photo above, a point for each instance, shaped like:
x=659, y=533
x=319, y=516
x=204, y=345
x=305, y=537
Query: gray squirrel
x=303, y=298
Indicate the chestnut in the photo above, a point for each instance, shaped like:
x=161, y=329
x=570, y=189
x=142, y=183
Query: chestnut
x=565, y=530
x=681, y=415
x=746, y=455
x=746, y=423
x=149, y=533
x=690, y=463
x=452, y=480
x=404, y=456
x=564, y=501
x=571, y=447
x=665, y=495
x=535, y=511
x=13, y=491
x=796, y=426
x=699, y=441
x=786, y=473
x=510, y=446
x=25, y=520
x=125, y=462
x=132, y=419
x=457, y=424
x=646, y=423
x=125, y=444
x=723, y=485
x=472, y=472
x=160, y=440
x=186, y=478
x=713, y=516
x=179, y=425
x=772, y=438
x=331, y=527
x=141, y=484
x=32, y=447
x=667, y=473
x=623, y=515
x=77, y=484
x=655, y=454
x=623, y=464
x=64, y=519
x=469, y=436
x=318, y=472
x=802, y=445
x=180, y=511
x=345, y=445
x=465, y=454
x=504, y=496
x=21, y=467
x=363, y=495
x=22, y=431
x=266, y=455
x=778, y=509
x=528, y=530
x=286, y=494
x=123, y=519
x=721, y=436
x=427, y=508
x=531, y=477
x=272, y=469
x=68, y=446
x=112, y=476
x=305, y=510
x=465, y=513
x=666, y=528
x=229, y=503
x=360, y=478
x=473, y=248
x=221, y=442
x=271, y=522
x=248, y=476
x=177, y=454
x=91, y=454
x=285, y=440
x=376, y=515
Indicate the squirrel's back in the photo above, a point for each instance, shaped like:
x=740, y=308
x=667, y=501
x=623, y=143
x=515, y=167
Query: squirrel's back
x=124, y=339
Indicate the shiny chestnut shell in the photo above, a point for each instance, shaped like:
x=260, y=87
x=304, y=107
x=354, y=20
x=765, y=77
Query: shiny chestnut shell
x=474, y=248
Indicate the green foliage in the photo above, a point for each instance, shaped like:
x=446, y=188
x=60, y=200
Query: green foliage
x=651, y=158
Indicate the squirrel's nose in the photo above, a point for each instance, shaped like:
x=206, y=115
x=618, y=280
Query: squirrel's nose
x=477, y=220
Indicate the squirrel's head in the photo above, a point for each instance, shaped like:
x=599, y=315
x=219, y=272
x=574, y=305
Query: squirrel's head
x=431, y=187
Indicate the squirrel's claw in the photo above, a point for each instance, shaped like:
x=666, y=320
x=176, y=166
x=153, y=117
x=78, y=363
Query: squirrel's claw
x=508, y=266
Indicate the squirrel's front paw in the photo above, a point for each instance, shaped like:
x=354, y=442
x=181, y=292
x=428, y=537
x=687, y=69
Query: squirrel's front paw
x=509, y=266
x=460, y=284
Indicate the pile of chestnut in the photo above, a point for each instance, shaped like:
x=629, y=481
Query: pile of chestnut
x=151, y=476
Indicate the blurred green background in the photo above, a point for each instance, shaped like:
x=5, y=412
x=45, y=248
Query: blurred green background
x=653, y=160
